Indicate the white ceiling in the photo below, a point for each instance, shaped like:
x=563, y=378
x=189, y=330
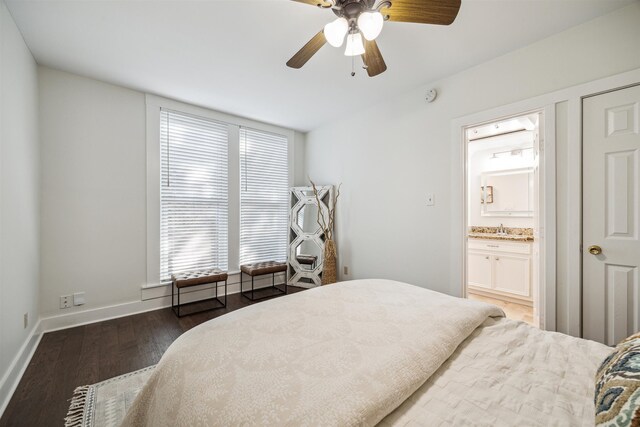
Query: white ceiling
x=231, y=55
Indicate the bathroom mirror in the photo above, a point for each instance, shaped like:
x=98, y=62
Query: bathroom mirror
x=511, y=193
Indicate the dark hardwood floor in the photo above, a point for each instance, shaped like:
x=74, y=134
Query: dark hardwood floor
x=93, y=353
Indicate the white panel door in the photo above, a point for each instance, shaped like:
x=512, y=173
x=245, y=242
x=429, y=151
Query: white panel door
x=512, y=274
x=611, y=146
x=479, y=269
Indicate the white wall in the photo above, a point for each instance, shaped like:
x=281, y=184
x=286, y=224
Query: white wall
x=299, y=143
x=94, y=191
x=19, y=198
x=391, y=155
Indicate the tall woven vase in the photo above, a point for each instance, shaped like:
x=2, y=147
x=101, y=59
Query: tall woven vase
x=329, y=269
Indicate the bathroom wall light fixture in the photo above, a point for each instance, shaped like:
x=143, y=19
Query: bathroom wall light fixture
x=510, y=153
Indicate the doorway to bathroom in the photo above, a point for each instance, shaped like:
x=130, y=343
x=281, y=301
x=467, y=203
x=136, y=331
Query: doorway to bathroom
x=503, y=204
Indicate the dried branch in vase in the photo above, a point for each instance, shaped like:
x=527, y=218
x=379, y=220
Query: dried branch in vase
x=327, y=224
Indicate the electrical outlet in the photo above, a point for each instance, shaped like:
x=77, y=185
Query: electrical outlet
x=65, y=301
x=346, y=270
x=25, y=320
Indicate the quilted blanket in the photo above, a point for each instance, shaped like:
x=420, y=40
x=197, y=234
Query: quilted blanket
x=508, y=373
x=339, y=355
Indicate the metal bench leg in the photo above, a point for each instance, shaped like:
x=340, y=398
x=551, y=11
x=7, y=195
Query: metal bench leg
x=178, y=302
x=241, y=293
x=252, y=297
x=225, y=293
x=273, y=279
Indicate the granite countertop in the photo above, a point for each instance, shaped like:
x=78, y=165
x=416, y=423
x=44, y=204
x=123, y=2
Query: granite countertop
x=496, y=236
x=510, y=234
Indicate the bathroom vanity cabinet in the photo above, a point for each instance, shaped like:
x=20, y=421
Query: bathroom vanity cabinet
x=500, y=267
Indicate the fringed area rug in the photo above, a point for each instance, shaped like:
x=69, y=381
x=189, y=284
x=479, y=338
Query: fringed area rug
x=105, y=404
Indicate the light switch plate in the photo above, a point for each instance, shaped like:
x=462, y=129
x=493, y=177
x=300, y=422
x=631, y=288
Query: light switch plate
x=431, y=199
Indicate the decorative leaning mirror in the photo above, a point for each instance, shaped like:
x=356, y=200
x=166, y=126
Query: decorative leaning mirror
x=306, y=239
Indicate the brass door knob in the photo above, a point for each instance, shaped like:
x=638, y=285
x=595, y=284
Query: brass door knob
x=595, y=250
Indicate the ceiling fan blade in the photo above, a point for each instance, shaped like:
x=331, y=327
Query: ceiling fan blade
x=440, y=12
x=373, y=59
x=320, y=3
x=307, y=51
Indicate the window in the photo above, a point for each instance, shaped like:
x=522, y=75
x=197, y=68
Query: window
x=264, y=196
x=193, y=193
x=217, y=190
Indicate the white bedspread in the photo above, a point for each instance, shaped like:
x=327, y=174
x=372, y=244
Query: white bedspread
x=346, y=354
x=508, y=373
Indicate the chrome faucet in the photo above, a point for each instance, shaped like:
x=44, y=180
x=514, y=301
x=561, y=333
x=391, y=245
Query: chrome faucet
x=501, y=230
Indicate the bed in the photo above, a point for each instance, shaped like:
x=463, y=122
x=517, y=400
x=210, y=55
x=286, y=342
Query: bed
x=370, y=352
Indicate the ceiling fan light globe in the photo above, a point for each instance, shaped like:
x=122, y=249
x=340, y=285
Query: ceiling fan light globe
x=370, y=24
x=355, y=46
x=335, y=31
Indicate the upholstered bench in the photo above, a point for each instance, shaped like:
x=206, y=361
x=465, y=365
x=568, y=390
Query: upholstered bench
x=195, y=278
x=309, y=260
x=260, y=269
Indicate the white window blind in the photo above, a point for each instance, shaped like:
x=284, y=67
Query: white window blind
x=264, y=196
x=194, y=193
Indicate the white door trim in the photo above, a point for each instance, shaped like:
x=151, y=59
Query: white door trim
x=545, y=299
x=572, y=312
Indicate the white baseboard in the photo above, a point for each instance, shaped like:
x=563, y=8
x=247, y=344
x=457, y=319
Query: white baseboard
x=85, y=317
x=153, y=298
x=18, y=366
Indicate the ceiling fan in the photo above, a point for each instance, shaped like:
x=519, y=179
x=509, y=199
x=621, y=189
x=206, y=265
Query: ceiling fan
x=364, y=19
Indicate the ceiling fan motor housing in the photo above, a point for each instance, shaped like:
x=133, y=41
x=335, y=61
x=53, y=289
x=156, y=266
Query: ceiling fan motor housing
x=350, y=9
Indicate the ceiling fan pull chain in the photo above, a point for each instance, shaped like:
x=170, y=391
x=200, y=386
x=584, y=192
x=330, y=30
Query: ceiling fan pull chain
x=353, y=66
